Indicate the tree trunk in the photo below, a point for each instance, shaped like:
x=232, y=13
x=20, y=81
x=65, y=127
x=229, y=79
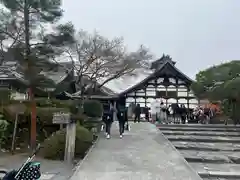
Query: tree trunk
x=81, y=99
x=27, y=58
x=33, y=119
x=82, y=89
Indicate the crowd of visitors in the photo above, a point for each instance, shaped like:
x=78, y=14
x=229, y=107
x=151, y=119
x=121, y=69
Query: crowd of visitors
x=174, y=113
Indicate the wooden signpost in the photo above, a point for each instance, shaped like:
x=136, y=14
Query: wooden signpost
x=15, y=129
x=65, y=118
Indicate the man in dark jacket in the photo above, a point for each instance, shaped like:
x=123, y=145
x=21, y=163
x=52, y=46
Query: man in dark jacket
x=108, y=119
x=137, y=112
x=121, y=119
x=183, y=113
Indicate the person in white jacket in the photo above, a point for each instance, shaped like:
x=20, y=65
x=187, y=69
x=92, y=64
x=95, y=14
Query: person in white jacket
x=153, y=111
x=163, y=113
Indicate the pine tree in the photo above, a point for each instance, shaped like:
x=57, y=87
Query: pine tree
x=22, y=24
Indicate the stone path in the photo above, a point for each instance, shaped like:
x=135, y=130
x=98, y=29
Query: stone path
x=143, y=154
x=51, y=170
x=212, y=150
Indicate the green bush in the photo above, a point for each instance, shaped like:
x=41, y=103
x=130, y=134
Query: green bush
x=12, y=101
x=84, y=140
x=79, y=118
x=62, y=103
x=93, y=108
x=43, y=102
x=11, y=110
x=45, y=114
x=93, y=124
x=3, y=128
x=54, y=146
x=4, y=95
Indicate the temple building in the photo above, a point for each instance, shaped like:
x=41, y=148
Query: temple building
x=165, y=84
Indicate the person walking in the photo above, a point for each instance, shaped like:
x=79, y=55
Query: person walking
x=126, y=125
x=146, y=109
x=121, y=120
x=183, y=113
x=153, y=112
x=109, y=121
x=137, y=112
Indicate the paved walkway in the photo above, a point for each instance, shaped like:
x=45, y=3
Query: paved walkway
x=142, y=154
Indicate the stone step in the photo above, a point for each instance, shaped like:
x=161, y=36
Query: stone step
x=172, y=128
x=208, y=146
x=203, y=138
x=228, y=171
x=221, y=174
x=201, y=133
x=215, y=178
x=211, y=157
x=201, y=126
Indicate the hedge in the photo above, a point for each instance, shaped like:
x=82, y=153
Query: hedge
x=44, y=102
x=45, y=114
x=46, y=108
x=54, y=146
x=11, y=110
x=93, y=124
x=4, y=95
x=3, y=128
x=93, y=108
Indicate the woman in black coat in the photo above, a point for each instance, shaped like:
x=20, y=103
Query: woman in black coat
x=121, y=115
x=108, y=120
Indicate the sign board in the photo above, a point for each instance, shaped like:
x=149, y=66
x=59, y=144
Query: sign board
x=49, y=89
x=18, y=96
x=61, y=118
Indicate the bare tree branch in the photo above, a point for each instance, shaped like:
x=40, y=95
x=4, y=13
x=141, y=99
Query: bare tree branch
x=101, y=59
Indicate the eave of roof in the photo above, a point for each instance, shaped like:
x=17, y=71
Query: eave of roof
x=91, y=96
x=103, y=89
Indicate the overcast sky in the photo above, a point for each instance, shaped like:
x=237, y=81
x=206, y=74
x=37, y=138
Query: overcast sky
x=196, y=33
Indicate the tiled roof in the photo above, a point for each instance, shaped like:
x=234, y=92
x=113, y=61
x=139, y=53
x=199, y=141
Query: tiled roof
x=6, y=73
x=153, y=74
x=57, y=77
x=108, y=91
x=9, y=71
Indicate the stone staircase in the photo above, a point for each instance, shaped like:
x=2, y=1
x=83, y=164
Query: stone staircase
x=212, y=150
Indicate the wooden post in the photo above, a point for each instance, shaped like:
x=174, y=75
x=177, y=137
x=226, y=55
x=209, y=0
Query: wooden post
x=67, y=146
x=70, y=143
x=14, y=133
x=64, y=118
